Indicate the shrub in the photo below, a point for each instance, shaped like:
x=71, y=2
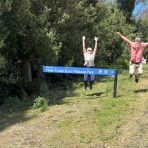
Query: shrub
x=40, y=102
x=122, y=63
x=13, y=103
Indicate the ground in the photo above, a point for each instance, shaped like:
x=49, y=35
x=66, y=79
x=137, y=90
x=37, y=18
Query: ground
x=91, y=119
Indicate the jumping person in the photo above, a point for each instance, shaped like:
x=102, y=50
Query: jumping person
x=89, y=57
x=136, y=51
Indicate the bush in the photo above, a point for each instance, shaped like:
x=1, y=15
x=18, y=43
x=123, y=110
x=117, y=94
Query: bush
x=40, y=102
x=122, y=63
x=44, y=91
x=13, y=103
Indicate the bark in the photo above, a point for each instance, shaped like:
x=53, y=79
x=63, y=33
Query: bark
x=28, y=71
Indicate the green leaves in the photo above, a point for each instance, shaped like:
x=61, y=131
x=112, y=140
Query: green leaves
x=2, y=62
x=47, y=32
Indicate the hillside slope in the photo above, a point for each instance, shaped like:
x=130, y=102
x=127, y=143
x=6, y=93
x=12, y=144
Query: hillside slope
x=85, y=119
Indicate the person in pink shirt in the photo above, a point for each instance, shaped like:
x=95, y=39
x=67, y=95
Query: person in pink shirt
x=136, y=51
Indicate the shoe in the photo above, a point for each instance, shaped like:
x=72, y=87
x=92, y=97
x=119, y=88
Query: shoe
x=136, y=78
x=90, y=85
x=130, y=76
x=85, y=85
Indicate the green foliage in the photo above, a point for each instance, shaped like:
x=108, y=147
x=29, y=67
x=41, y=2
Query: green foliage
x=127, y=7
x=40, y=102
x=29, y=41
x=2, y=63
x=13, y=104
x=12, y=101
x=26, y=41
x=38, y=32
x=122, y=63
x=7, y=80
x=142, y=26
x=44, y=90
x=86, y=18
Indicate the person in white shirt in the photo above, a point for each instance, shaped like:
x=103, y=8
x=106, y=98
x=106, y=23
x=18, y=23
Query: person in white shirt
x=89, y=57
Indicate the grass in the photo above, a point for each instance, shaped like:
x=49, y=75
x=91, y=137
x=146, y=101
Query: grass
x=91, y=119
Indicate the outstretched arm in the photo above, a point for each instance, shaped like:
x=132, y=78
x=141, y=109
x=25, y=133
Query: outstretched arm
x=83, y=44
x=146, y=45
x=96, y=44
x=124, y=38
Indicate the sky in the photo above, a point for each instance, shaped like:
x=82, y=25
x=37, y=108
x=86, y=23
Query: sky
x=140, y=7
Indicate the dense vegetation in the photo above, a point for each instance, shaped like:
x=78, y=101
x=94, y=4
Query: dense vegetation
x=47, y=32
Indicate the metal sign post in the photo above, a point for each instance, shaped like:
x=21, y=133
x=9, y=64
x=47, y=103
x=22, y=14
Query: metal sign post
x=115, y=84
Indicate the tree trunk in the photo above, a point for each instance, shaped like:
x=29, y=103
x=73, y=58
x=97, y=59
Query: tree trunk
x=27, y=70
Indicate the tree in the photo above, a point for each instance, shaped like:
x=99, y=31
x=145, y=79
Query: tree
x=128, y=6
x=142, y=26
x=29, y=42
x=47, y=32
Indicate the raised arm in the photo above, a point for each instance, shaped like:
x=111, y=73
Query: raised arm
x=145, y=45
x=96, y=44
x=124, y=38
x=83, y=44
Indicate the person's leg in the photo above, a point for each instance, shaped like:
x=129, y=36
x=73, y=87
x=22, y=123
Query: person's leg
x=136, y=73
x=139, y=71
x=131, y=69
x=85, y=81
x=92, y=79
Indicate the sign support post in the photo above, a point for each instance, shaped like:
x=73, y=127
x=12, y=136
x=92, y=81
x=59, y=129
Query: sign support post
x=115, y=84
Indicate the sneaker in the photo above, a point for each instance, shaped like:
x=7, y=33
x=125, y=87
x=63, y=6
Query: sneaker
x=130, y=76
x=90, y=85
x=136, y=78
x=85, y=85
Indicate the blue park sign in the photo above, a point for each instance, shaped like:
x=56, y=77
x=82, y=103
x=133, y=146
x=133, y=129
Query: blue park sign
x=78, y=70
